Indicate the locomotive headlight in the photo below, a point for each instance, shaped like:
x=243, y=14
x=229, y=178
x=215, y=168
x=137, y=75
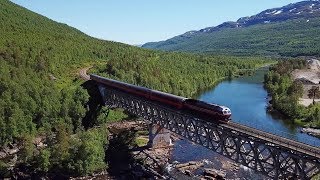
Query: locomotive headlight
x=226, y=111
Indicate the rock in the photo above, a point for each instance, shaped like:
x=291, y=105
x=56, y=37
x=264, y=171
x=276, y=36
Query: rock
x=41, y=145
x=175, y=162
x=208, y=178
x=13, y=161
x=190, y=165
x=214, y=173
x=52, y=77
x=3, y=155
x=182, y=165
x=13, y=151
x=187, y=172
x=311, y=131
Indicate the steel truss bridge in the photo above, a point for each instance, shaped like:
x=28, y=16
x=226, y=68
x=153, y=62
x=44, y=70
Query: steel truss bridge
x=273, y=156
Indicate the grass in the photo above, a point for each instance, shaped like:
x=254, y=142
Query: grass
x=143, y=133
x=141, y=141
x=116, y=115
x=300, y=123
x=317, y=177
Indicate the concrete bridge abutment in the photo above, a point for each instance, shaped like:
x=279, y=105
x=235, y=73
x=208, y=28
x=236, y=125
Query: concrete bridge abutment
x=158, y=136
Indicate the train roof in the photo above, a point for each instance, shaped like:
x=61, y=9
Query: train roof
x=168, y=94
x=110, y=82
x=205, y=104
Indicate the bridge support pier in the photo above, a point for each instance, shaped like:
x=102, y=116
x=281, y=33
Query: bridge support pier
x=158, y=136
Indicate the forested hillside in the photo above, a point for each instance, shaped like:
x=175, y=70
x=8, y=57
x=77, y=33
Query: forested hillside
x=292, y=30
x=41, y=97
x=180, y=74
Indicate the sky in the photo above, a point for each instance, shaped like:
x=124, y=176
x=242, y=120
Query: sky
x=140, y=21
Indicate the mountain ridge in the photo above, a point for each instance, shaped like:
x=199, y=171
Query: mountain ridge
x=304, y=10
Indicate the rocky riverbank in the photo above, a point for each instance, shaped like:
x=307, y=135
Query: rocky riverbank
x=311, y=131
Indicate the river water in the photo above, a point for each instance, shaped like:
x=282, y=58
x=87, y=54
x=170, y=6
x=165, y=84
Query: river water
x=248, y=100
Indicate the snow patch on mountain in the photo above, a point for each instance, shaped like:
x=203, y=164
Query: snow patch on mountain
x=278, y=12
x=271, y=12
x=292, y=9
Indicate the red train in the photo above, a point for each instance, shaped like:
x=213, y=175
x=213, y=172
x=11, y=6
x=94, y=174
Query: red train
x=203, y=110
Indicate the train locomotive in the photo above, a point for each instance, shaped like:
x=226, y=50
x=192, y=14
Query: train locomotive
x=206, y=111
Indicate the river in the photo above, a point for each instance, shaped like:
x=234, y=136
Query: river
x=248, y=100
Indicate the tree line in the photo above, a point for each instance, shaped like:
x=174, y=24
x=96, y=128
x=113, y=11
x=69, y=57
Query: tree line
x=177, y=73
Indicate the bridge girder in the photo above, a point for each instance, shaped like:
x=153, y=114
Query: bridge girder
x=268, y=158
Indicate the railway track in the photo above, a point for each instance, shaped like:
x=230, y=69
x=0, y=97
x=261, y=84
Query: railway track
x=83, y=73
x=274, y=139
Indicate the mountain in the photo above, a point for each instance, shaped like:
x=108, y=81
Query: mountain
x=291, y=30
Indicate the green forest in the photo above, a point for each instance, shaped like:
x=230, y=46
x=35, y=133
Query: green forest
x=285, y=93
x=180, y=74
x=298, y=37
x=43, y=100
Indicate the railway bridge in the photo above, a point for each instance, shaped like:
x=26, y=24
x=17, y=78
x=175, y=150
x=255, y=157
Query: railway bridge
x=269, y=154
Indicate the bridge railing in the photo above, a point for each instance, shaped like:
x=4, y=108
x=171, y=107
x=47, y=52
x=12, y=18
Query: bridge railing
x=315, y=143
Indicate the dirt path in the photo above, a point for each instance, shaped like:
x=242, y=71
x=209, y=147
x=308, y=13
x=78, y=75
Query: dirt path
x=307, y=102
x=83, y=73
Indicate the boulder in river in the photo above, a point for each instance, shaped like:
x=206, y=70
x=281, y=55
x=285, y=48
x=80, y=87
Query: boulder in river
x=214, y=173
x=311, y=131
